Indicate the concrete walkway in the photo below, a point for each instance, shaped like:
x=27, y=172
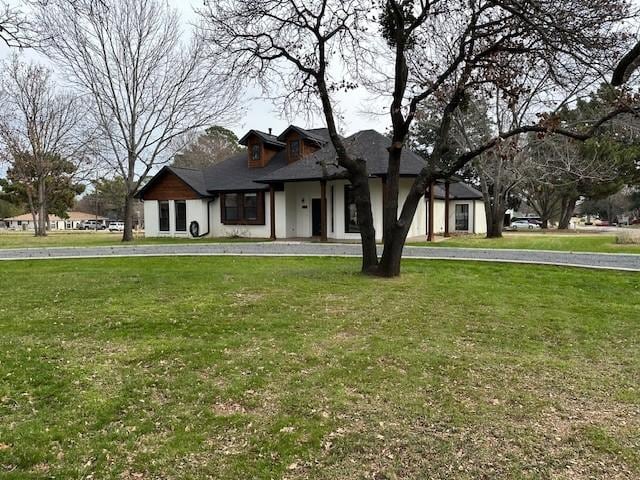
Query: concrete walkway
x=613, y=261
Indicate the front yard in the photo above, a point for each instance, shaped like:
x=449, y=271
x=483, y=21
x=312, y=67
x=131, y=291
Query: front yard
x=193, y=368
x=569, y=242
x=94, y=239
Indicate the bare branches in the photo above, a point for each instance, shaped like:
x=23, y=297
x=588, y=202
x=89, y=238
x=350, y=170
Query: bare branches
x=14, y=27
x=149, y=87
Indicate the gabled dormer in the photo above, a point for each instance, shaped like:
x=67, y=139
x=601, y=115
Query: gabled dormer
x=261, y=147
x=300, y=142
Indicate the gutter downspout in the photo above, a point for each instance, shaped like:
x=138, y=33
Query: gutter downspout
x=208, y=218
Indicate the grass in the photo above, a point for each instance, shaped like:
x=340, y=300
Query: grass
x=89, y=239
x=540, y=241
x=194, y=368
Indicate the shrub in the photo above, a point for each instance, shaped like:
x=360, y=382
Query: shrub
x=627, y=237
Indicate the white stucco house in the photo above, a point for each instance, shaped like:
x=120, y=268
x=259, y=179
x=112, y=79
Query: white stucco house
x=288, y=186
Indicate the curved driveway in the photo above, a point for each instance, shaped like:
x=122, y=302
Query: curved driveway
x=614, y=261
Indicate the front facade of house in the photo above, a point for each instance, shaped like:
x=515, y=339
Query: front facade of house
x=289, y=187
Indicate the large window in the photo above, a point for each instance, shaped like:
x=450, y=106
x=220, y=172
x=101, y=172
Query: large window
x=350, y=211
x=164, y=216
x=462, y=216
x=242, y=208
x=181, y=216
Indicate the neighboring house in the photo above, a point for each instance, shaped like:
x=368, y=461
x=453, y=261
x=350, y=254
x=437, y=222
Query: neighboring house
x=290, y=186
x=25, y=221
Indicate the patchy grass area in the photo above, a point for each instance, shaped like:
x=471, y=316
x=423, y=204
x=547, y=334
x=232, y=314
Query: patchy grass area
x=198, y=368
x=597, y=242
x=90, y=239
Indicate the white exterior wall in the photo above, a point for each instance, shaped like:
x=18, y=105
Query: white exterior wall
x=480, y=220
x=294, y=214
x=196, y=211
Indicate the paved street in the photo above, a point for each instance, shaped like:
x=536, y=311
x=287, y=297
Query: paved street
x=629, y=262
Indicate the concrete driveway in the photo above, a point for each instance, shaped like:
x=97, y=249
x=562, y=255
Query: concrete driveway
x=613, y=261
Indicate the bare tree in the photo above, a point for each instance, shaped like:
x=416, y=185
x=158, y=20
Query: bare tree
x=14, y=27
x=44, y=135
x=425, y=50
x=148, y=84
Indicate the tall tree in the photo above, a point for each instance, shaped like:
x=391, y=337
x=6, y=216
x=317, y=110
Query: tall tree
x=423, y=50
x=107, y=198
x=44, y=136
x=148, y=85
x=216, y=144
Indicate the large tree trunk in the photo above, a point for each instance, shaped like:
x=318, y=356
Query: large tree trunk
x=396, y=236
x=568, y=205
x=495, y=225
x=41, y=226
x=127, y=235
x=365, y=223
x=494, y=211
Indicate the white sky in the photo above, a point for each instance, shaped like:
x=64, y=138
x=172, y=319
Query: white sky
x=260, y=113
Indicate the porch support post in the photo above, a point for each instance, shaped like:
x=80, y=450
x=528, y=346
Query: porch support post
x=323, y=210
x=446, y=208
x=430, y=217
x=272, y=210
x=384, y=201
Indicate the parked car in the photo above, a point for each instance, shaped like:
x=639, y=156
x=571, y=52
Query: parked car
x=93, y=225
x=116, y=226
x=524, y=225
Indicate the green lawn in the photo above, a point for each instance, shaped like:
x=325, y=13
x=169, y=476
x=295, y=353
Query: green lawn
x=88, y=239
x=540, y=241
x=245, y=368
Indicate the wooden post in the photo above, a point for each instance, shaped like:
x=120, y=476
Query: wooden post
x=446, y=208
x=272, y=211
x=384, y=202
x=430, y=218
x=323, y=210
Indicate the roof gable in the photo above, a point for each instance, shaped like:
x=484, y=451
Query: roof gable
x=318, y=136
x=266, y=138
x=174, y=183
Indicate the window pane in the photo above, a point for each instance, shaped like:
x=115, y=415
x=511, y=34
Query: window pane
x=181, y=216
x=255, y=152
x=350, y=211
x=164, y=216
x=462, y=217
x=231, y=207
x=250, y=206
x=294, y=149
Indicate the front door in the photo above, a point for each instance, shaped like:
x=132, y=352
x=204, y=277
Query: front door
x=316, y=217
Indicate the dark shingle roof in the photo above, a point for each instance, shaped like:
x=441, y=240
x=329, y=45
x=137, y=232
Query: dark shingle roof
x=265, y=137
x=367, y=144
x=458, y=191
x=235, y=174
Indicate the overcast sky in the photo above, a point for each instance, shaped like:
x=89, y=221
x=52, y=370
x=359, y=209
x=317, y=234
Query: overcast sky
x=260, y=113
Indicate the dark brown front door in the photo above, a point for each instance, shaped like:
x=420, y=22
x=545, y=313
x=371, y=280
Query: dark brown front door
x=316, y=217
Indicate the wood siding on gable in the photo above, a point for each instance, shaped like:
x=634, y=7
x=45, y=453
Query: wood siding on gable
x=170, y=187
x=266, y=153
x=306, y=148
